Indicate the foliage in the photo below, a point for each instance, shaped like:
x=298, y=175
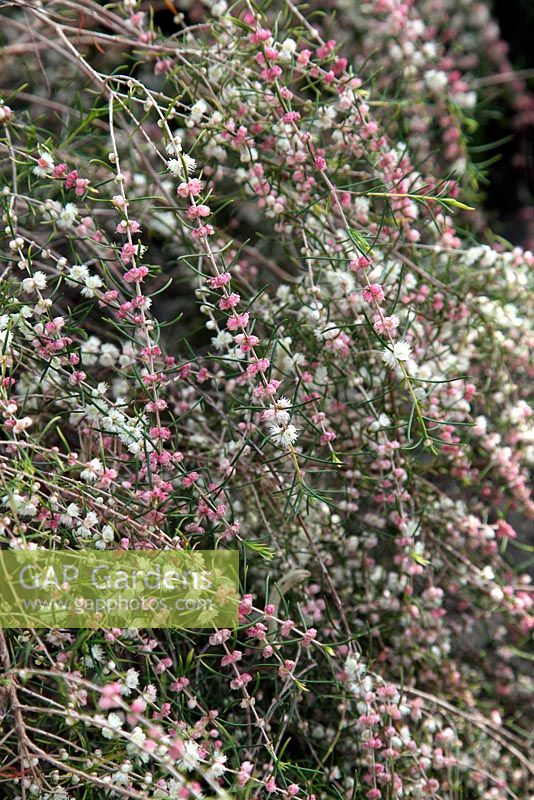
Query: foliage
x=247, y=303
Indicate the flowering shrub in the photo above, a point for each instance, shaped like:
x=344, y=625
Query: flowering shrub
x=246, y=304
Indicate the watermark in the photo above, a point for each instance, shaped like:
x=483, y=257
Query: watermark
x=119, y=588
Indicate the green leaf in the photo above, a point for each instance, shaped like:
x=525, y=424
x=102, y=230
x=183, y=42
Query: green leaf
x=419, y=559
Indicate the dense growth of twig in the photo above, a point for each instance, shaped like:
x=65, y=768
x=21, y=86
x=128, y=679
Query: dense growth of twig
x=247, y=303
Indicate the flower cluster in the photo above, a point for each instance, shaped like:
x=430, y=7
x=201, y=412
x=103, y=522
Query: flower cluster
x=247, y=304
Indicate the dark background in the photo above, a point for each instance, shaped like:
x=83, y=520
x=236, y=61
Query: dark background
x=510, y=193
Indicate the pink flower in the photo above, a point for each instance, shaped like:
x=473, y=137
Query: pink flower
x=127, y=252
x=179, y=685
x=260, y=35
x=240, y=681
x=110, y=696
x=193, y=212
x=202, y=232
x=270, y=74
x=5, y=113
x=246, y=342
x=81, y=186
x=325, y=49
x=59, y=171
x=77, y=377
x=286, y=668
x=286, y=627
x=138, y=705
x=303, y=58
x=231, y=658
x=383, y=324
x=160, y=433
x=245, y=771
x=232, y=531
x=190, y=479
x=177, y=748
x=119, y=201
x=131, y=225
x=272, y=53
x=163, y=665
x=291, y=116
x=238, y=321
x=219, y=280
x=245, y=607
x=373, y=293
x=362, y=262
x=231, y=301
x=219, y=637
x=191, y=188
x=308, y=637
x=135, y=275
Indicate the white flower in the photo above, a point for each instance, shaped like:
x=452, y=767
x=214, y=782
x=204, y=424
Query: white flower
x=132, y=679
x=198, y=110
x=71, y=514
x=92, y=470
x=175, y=147
x=402, y=351
x=67, y=216
x=109, y=355
x=115, y=722
x=107, y=533
x=361, y=208
x=412, y=528
x=5, y=112
x=289, y=46
x=496, y=594
x=465, y=99
x=383, y=421
x=115, y=418
x=37, y=281
x=222, y=340
x=183, y=166
x=190, y=758
x=218, y=9
x=150, y=693
x=22, y=424
x=138, y=736
x=436, y=80
x=92, y=282
x=190, y=164
x=90, y=519
x=101, y=387
x=175, y=166
x=78, y=273
x=346, y=101
x=278, y=411
x=97, y=652
x=137, y=740
x=287, y=50
x=217, y=768
x=326, y=117
x=284, y=437
x=44, y=166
